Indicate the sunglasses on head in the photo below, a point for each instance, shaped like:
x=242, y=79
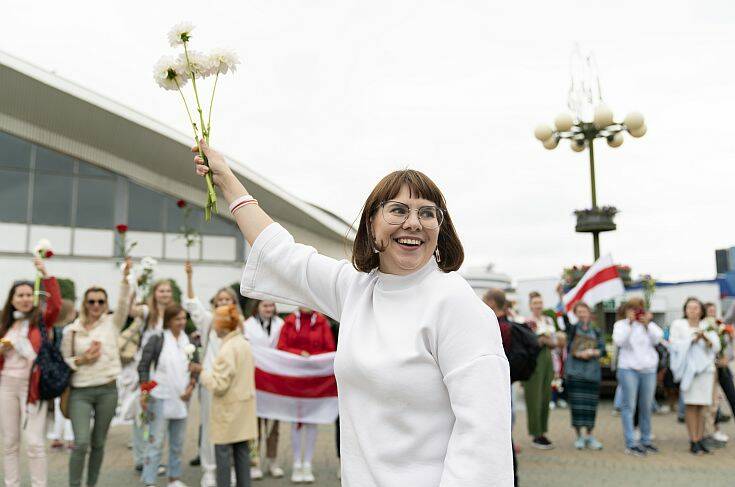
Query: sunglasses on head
x=96, y=301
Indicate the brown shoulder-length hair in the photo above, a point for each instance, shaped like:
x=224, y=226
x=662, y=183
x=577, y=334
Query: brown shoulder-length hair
x=420, y=186
x=172, y=311
x=702, y=311
x=7, y=319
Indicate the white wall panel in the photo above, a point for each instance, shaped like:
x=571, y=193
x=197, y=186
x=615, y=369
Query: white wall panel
x=13, y=237
x=149, y=244
x=219, y=248
x=176, y=247
x=94, y=243
x=60, y=238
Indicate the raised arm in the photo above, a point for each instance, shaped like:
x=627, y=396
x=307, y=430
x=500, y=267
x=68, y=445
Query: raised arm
x=201, y=316
x=123, y=300
x=251, y=218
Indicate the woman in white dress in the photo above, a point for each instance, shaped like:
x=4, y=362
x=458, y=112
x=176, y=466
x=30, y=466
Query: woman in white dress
x=697, y=346
x=424, y=383
x=262, y=329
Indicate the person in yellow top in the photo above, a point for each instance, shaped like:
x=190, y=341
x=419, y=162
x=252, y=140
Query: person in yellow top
x=231, y=381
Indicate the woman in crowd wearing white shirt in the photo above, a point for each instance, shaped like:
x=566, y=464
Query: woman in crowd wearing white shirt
x=424, y=382
x=636, y=339
x=150, y=316
x=537, y=389
x=263, y=329
x=166, y=360
x=202, y=318
x=695, y=344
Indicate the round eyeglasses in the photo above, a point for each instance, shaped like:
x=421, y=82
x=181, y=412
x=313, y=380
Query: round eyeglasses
x=396, y=213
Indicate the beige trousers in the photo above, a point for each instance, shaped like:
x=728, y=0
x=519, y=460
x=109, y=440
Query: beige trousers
x=13, y=395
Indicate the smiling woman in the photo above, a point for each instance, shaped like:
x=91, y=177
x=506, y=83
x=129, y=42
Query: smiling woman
x=424, y=384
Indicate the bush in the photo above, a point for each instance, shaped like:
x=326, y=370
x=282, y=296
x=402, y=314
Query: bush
x=68, y=289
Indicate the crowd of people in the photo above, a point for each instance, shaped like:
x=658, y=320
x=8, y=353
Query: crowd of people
x=154, y=386
x=421, y=360
x=687, y=361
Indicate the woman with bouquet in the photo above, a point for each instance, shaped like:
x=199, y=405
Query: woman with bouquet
x=90, y=348
x=20, y=341
x=166, y=361
x=583, y=374
x=420, y=356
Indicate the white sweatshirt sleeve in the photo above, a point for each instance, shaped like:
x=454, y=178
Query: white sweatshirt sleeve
x=281, y=270
x=621, y=332
x=201, y=317
x=470, y=355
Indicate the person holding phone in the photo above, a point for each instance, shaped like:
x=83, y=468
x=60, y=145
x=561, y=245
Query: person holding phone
x=90, y=348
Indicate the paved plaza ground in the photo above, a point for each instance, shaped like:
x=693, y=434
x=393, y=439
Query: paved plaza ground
x=562, y=466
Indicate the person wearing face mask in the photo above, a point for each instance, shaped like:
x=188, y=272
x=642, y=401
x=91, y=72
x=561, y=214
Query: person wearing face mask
x=168, y=361
x=231, y=382
x=23, y=411
x=305, y=333
x=263, y=329
x=202, y=318
x=424, y=384
x=90, y=348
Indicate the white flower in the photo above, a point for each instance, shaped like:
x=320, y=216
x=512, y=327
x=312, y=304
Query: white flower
x=168, y=74
x=180, y=33
x=223, y=60
x=148, y=263
x=42, y=247
x=189, y=350
x=199, y=63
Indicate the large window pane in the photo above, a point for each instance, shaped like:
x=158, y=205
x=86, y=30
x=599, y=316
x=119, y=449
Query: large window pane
x=86, y=169
x=14, y=152
x=218, y=225
x=96, y=203
x=14, y=196
x=175, y=216
x=52, y=161
x=52, y=199
x=145, y=209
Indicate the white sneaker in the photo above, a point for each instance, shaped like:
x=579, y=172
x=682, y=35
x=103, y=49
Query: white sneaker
x=720, y=436
x=552, y=406
x=275, y=471
x=297, y=474
x=208, y=480
x=308, y=476
x=562, y=403
x=256, y=473
x=177, y=483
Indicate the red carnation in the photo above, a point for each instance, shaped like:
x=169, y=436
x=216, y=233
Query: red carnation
x=181, y=203
x=148, y=386
x=49, y=254
x=121, y=228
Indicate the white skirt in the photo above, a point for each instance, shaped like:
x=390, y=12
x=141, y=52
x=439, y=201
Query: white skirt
x=701, y=390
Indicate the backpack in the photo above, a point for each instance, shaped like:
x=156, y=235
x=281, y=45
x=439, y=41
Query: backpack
x=55, y=373
x=523, y=351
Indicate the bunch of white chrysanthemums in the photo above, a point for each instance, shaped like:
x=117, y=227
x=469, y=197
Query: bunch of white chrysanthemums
x=174, y=72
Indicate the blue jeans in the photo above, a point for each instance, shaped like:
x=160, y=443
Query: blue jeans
x=159, y=427
x=636, y=387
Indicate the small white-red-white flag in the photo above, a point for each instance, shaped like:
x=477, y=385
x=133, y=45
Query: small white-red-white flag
x=293, y=388
x=600, y=283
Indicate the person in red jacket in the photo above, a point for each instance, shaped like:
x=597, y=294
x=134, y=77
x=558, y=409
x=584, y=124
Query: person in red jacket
x=305, y=333
x=20, y=341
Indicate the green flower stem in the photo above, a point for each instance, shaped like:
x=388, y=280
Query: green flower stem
x=211, y=103
x=37, y=289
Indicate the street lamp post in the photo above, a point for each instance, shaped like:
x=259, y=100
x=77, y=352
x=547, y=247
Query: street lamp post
x=582, y=135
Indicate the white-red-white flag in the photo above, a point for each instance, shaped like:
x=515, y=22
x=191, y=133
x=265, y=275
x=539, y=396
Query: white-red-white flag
x=600, y=283
x=293, y=388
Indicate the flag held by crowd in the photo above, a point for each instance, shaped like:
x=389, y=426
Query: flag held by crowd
x=295, y=388
x=600, y=283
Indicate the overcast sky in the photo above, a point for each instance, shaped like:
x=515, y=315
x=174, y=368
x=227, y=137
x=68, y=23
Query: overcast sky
x=333, y=95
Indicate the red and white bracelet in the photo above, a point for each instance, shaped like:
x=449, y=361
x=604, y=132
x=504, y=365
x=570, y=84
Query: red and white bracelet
x=242, y=201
